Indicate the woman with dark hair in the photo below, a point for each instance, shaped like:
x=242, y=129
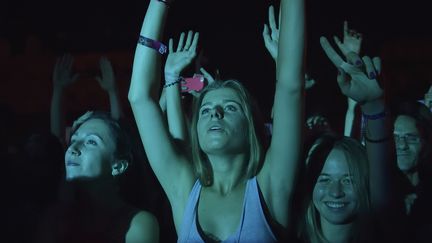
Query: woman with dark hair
x=90, y=208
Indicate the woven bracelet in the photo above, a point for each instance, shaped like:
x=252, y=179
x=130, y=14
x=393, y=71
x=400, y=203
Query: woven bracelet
x=158, y=46
x=172, y=83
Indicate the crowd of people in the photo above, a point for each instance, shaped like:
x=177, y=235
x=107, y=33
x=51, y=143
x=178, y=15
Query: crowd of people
x=219, y=170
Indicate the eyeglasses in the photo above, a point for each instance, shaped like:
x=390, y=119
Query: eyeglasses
x=408, y=138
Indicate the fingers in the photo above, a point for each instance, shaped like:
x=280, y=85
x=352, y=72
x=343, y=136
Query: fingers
x=181, y=42
x=343, y=78
x=272, y=20
x=354, y=59
x=340, y=44
x=330, y=52
x=345, y=28
x=370, y=69
x=188, y=41
x=207, y=76
x=377, y=64
x=194, y=45
x=190, y=44
x=171, y=45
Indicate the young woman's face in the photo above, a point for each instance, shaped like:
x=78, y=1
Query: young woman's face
x=222, y=125
x=408, y=143
x=334, y=196
x=90, y=151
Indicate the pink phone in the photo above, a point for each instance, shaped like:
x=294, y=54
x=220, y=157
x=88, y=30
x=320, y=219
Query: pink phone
x=195, y=83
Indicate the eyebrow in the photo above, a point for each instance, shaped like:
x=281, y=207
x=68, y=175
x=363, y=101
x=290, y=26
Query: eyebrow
x=223, y=101
x=89, y=134
x=325, y=174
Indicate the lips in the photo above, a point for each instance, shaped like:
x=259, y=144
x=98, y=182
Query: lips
x=215, y=127
x=71, y=163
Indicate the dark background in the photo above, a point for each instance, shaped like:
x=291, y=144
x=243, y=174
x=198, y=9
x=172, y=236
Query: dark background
x=34, y=33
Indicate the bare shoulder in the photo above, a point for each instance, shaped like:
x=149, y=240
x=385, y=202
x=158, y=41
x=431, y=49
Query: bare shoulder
x=143, y=228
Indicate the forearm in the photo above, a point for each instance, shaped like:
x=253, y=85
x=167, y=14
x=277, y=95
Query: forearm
x=56, y=114
x=145, y=78
x=380, y=152
x=349, y=121
x=176, y=122
x=115, y=105
x=291, y=44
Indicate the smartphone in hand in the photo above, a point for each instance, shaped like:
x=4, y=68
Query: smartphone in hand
x=195, y=83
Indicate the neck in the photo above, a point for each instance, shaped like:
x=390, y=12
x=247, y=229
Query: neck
x=100, y=191
x=413, y=177
x=337, y=233
x=228, y=171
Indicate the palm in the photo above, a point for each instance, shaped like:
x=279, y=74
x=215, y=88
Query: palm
x=352, y=41
x=63, y=75
x=183, y=56
x=107, y=80
x=357, y=86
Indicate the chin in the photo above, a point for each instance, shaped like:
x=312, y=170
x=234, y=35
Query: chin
x=339, y=219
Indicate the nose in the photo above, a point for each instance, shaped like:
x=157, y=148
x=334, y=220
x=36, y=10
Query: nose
x=74, y=149
x=401, y=143
x=217, y=112
x=336, y=190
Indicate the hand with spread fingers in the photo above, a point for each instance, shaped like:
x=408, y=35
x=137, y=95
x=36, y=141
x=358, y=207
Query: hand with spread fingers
x=180, y=58
x=107, y=78
x=357, y=78
x=351, y=42
x=62, y=75
x=271, y=34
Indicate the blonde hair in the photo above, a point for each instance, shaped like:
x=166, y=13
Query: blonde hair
x=255, y=131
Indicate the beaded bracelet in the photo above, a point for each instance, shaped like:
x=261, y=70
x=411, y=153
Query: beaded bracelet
x=375, y=116
x=385, y=139
x=172, y=83
x=158, y=46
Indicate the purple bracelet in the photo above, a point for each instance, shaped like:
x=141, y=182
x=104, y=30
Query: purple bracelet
x=158, y=46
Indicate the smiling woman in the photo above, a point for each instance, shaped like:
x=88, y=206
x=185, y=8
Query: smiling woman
x=336, y=189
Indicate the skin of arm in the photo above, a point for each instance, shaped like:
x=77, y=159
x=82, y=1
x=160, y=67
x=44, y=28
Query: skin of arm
x=108, y=83
x=277, y=177
x=144, y=228
x=351, y=42
x=62, y=77
x=172, y=169
x=175, y=64
x=359, y=82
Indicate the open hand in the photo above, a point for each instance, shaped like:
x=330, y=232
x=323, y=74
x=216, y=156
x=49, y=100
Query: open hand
x=62, y=74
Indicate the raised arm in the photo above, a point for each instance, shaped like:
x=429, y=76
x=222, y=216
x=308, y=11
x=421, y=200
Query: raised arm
x=359, y=82
x=277, y=177
x=351, y=42
x=62, y=77
x=108, y=83
x=176, y=62
x=171, y=168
